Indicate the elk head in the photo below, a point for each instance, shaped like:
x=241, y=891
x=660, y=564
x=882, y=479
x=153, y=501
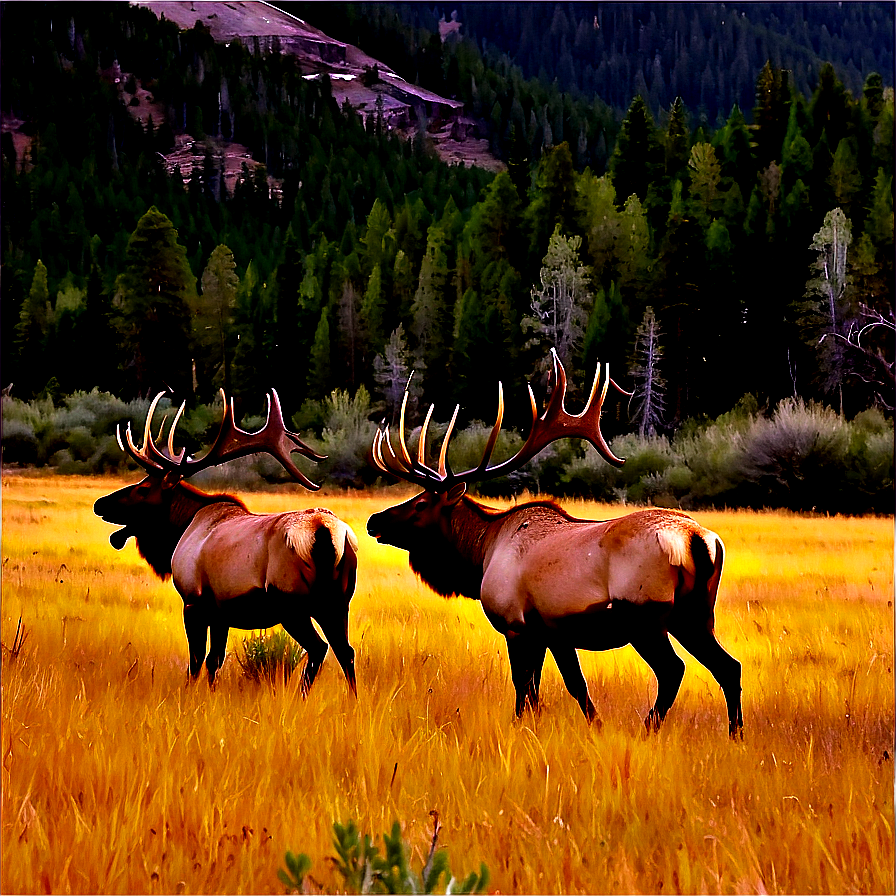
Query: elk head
x=408, y=525
x=145, y=507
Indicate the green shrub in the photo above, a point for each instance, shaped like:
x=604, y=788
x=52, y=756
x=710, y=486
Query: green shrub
x=19, y=440
x=364, y=870
x=795, y=456
x=266, y=655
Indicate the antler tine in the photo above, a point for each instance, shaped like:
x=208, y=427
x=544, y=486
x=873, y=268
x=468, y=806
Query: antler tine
x=421, y=446
x=148, y=457
x=444, y=472
x=401, y=441
x=177, y=458
x=496, y=430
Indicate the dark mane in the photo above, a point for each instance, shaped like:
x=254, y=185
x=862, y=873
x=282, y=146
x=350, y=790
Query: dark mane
x=457, y=569
x=164, y=526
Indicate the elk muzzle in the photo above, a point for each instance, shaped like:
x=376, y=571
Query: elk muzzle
x=126, y=507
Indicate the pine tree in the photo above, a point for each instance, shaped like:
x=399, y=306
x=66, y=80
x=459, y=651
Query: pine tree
x=431, y=318
x=677, y=143
x=599, y=220
x=553, y=199
x=649, y=392
x=213, y=315
x=560, y=305
x=374, y=308
x=319, y=363
x=156, y=289
x=845, y=180
x=94, y=326
x=392, y=374
x=828, y=299
x=638, y=156
x=32, y=329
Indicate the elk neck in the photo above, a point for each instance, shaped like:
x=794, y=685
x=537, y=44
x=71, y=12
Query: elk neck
x=156, y=541
x=454, y=564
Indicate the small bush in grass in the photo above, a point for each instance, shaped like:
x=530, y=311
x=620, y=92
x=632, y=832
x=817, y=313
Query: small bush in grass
x=267, y=654
x=364, y=870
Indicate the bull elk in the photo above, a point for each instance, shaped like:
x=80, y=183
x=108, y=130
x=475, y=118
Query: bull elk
x=548, y=581
x=233, y=568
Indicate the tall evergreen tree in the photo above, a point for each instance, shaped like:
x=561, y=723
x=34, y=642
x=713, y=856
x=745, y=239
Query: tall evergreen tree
x=638, y=156
x=32, y=331
x=156, y=289
x=213, y=316
x=561, y=304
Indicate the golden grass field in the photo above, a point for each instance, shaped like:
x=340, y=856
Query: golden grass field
x=118, y=777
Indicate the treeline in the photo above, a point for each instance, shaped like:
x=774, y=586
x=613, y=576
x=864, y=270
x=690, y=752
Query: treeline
x=695, y=265
x=542, y=73
x=705, y=53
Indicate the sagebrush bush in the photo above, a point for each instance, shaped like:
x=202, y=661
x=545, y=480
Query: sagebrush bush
x=268, y=654
x=795, y=455
x=800, y=456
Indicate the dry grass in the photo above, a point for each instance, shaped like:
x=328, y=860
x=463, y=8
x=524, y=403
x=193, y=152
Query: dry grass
x=118, y=777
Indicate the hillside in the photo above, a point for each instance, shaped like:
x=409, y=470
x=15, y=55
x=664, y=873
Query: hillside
x=367, y=84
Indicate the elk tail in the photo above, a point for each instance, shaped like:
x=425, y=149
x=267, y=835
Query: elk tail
x=333, y=542
x=708, y=563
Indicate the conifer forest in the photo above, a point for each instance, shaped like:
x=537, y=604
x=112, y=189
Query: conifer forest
x=700, y=195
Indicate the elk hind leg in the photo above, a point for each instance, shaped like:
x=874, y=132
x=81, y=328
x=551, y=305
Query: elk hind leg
x=656, y=650
x=218, y=633
x=700, y=641
x=196, y=627
x=302, y=629
x=526, y=656
x=335, y=629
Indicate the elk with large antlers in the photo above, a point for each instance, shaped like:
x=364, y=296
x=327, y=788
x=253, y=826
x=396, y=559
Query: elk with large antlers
x=234, y=568
x=548, y=581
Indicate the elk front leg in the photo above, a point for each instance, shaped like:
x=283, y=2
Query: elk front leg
x=568, y=663
x=196, y=627
x=302, y=629
x=526, y=654
x=657, y=651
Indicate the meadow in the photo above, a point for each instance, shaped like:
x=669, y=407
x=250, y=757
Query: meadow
x=120, y=777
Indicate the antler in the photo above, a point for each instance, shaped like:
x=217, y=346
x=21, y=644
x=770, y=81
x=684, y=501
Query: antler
x=231, y=442
x=555, y=423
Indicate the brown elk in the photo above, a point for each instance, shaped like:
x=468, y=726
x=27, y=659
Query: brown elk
x=234, y=568
x=548, y=581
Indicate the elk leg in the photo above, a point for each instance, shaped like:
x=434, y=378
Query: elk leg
x=301, y=628
x=700, y=641
x=668, y=667
x=196, y=626
x=526, y=659
x=336, y=632
x=217, y=649
x=568, y=663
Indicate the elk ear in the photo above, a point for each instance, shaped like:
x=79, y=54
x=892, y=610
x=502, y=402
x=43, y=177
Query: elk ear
x=455, y=493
